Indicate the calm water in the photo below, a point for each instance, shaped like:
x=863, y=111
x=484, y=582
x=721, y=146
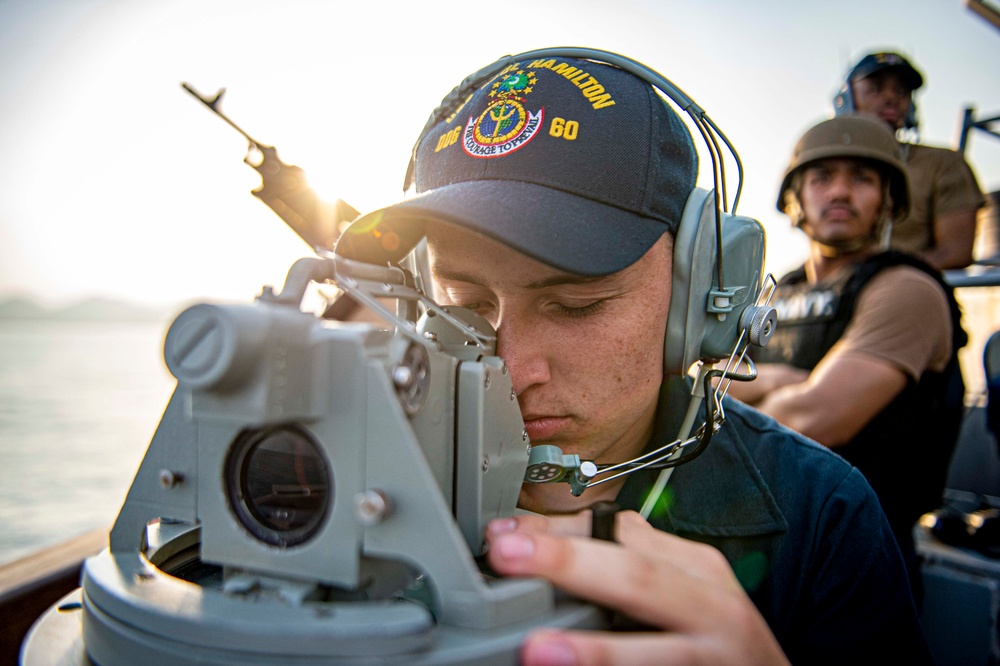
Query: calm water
x=78, y=405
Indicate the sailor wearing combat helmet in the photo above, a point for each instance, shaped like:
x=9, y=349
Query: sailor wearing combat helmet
x=864, y=356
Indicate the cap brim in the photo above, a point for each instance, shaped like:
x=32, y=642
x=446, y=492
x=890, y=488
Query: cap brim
x=909, y=76
x=565, y=231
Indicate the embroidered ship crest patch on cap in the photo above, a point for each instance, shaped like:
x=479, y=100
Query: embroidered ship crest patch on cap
x=505, y=125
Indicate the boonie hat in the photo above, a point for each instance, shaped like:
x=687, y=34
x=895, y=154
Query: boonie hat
x=575, y=163
x=875, y=62
x=854, y=136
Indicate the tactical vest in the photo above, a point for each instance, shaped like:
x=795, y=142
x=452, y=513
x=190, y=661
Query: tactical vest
x=905, y=450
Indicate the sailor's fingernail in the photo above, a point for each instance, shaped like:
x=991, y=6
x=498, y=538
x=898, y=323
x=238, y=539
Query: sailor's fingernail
x=549, y=649
x=514, y=546
x=501, y=526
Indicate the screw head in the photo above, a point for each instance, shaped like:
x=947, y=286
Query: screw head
x=170, y=478
x=402, y=376
x=371, y=507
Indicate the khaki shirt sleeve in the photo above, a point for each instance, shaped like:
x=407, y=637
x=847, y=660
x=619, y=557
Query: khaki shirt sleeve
x=901, y=317
x=955, y=187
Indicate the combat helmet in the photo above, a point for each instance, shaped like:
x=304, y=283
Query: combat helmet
x=857, y=136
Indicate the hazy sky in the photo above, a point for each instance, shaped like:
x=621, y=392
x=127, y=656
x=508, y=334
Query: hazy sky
x=115, y=182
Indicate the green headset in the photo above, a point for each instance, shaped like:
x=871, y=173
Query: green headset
x=718, y=256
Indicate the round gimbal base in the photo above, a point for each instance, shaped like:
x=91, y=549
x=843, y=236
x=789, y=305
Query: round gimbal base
x=129, y=611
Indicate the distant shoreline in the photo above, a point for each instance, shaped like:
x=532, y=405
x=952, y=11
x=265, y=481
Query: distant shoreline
x=21, y=308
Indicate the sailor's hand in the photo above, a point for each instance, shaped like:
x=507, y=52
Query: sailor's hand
x=685, y=588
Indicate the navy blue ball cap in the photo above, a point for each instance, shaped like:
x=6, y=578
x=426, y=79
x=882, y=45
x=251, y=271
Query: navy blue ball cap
x=876, y=62
x=575, y=163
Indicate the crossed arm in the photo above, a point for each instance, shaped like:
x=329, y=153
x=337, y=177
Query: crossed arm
x=832, y=403
x=900, y=327
x=954, y=235
x=684, y=588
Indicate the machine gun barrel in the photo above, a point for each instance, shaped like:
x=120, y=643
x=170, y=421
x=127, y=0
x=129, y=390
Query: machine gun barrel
x=213, y=104
x=285, y=189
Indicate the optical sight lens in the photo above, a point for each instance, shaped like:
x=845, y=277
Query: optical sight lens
x=278, y=484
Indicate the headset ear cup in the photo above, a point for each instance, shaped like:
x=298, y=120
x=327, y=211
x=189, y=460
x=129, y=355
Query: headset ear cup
x=743, y=262
x=694, y=261
x=843, y=101
x=910, y=121
x=704, y=322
